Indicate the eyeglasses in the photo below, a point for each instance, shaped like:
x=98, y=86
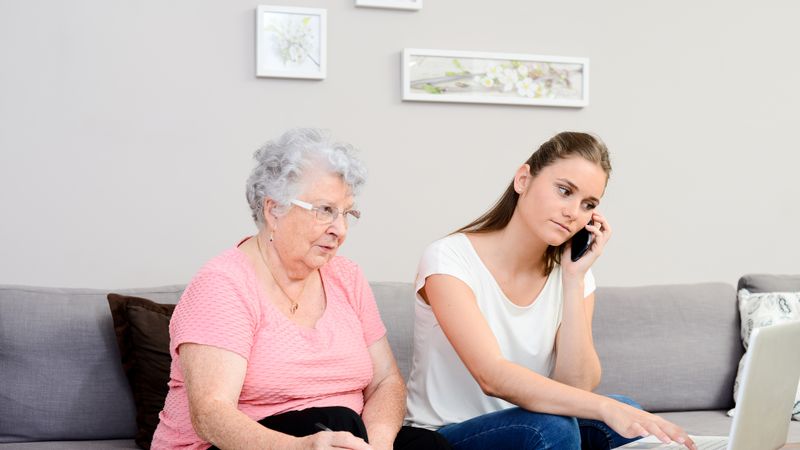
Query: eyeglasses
x=328, y=214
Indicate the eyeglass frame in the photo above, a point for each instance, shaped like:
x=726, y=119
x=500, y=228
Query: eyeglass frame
x=335, y=212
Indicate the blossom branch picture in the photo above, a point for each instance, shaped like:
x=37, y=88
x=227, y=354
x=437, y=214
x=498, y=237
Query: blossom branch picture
x=290, y=42
x=474, y=77
x=413, y=5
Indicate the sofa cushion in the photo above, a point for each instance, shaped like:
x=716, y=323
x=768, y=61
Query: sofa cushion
x=763, y=309
x=59, y=365
x=715, y=423
x=687, y=334
x=142, y=329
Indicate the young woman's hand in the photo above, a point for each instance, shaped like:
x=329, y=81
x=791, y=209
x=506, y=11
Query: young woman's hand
x=325, y=440
x=601, y=232
x=631, y=422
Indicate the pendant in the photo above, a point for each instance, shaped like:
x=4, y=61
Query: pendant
x=293, y=307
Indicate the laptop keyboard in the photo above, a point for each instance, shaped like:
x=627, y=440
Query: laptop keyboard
x=701, y=443
x=716, y=445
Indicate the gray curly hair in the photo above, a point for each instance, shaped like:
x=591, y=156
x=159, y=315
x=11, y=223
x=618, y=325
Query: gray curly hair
x=280, y=163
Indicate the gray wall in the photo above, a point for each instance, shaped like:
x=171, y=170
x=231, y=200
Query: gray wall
x=127, y=127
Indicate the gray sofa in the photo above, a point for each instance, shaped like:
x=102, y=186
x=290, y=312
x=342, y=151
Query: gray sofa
x=673, y=348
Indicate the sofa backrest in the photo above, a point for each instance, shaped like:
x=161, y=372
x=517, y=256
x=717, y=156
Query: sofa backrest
x=60, y=371
x=396, y=305
x=671, y=348
x=770, y=283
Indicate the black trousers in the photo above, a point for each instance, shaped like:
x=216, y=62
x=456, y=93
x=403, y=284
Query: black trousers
x=338, y=418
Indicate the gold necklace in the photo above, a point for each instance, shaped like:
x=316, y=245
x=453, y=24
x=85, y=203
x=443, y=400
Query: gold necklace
x=293, y=305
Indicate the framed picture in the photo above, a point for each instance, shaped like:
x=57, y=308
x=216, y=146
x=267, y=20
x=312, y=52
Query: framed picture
x=392, y=4
x=506, y=78
x=290, y=42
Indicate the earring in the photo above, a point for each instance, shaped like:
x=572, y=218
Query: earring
x=270, y=236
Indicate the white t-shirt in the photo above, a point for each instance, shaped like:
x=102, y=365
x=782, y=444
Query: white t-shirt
x=441, y=390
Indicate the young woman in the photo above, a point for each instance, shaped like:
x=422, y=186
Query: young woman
x=503, y=350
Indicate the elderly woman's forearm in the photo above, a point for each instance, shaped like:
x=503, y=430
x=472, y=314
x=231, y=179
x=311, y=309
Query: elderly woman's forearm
x=384, y=410
x=227, y=427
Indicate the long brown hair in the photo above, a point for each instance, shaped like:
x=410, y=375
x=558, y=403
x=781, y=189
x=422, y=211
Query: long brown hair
x=563, y=145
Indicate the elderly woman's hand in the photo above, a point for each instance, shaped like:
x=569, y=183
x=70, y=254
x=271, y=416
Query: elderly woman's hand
x=332, y=439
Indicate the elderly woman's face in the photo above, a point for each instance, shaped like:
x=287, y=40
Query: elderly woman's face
x=299, y=236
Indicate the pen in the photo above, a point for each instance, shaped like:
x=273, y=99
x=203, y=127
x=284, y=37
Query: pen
x=322, y=427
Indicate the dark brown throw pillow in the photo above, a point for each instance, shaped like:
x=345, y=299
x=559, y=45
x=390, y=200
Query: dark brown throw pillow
x=142, y=329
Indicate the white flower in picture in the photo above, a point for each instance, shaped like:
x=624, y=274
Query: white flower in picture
x=508, y=79
x=526, y=87
x=523, y=70
x=494, y=71
x=487, y=82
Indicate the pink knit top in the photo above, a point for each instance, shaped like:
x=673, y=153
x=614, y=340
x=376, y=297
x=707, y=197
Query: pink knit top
x=289, y=367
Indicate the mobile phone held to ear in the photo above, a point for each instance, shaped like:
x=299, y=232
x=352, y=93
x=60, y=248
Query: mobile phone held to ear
x=581, y=242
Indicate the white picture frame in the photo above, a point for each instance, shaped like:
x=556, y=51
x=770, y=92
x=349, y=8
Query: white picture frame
x=498, y=78
x=413, y=5
x=291, y=42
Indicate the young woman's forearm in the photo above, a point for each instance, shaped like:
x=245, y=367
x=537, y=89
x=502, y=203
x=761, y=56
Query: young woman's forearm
x=521, y=386
x=577, y=363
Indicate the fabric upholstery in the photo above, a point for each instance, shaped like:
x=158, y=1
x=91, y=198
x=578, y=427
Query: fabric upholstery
x=687, y=334
x=396, y=304
x=59, y=366
x=655, y=343
x=714, y=423
x=59, y=369
x=763, y=309
x=769, y=283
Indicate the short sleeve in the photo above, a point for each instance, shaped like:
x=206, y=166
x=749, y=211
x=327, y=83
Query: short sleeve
x=589, y=285
x=444, y=258
x=215, y=309
x=366, y=308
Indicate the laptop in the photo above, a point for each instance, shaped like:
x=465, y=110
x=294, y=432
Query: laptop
x=765, y=399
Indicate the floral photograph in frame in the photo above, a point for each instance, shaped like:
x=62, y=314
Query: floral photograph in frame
x=291, y=42
x=391, y=4
x=503, y=78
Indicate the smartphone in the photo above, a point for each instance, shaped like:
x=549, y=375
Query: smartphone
x=581, y=242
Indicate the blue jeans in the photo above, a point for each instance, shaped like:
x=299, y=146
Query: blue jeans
x=518, y=429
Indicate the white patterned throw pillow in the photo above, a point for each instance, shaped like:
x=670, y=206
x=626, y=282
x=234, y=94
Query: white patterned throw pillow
x=761, y=310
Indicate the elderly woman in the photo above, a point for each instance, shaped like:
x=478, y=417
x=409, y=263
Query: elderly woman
x=277, y=342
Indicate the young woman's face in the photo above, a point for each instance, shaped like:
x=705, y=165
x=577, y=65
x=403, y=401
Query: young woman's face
x=560, y=199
